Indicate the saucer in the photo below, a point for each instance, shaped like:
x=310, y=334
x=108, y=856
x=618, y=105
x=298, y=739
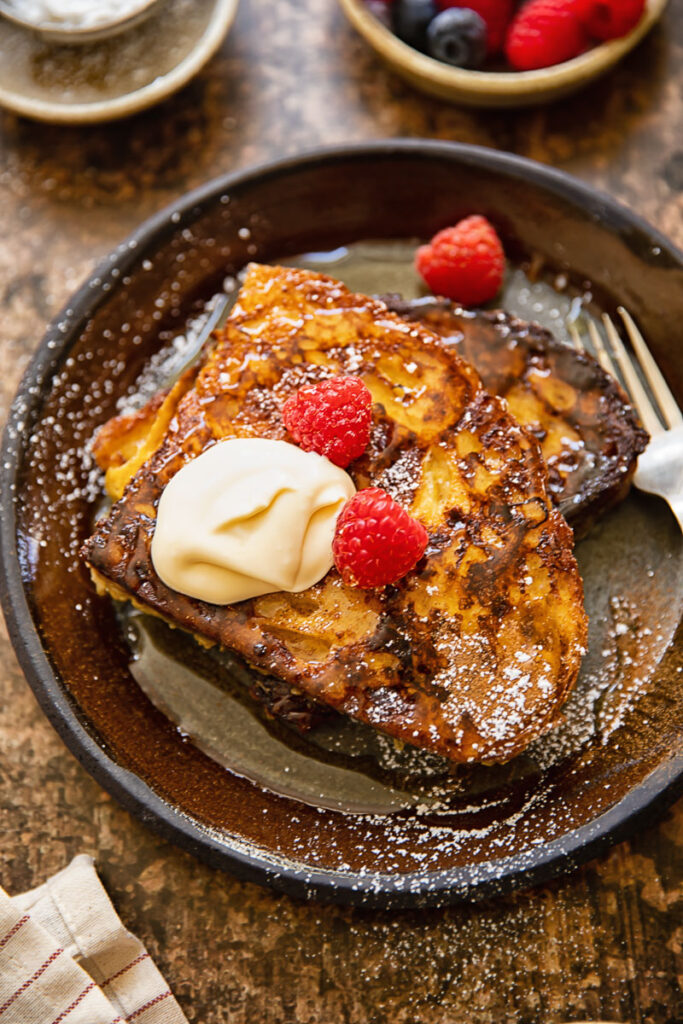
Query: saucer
x=117, y=76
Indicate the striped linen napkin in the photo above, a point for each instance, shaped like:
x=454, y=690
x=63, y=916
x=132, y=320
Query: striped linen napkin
x=65, y=958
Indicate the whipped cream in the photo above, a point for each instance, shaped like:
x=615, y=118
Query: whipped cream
x=248, y=516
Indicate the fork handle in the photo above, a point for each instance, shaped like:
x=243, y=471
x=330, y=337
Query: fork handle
x=660, y=470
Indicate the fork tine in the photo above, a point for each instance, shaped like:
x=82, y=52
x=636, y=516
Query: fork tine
x=667, y=403
x=600, y=350
x=574, y=335
x=635, y=389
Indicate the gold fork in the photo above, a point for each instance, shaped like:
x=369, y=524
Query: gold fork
x=660, y=467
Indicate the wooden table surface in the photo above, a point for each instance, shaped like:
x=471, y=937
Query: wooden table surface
x=604, y=943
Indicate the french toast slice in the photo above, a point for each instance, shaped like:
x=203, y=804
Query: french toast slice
x=589, y=434
x=473, y=653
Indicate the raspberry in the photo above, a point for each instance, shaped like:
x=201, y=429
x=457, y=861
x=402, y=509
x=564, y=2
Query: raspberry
x=496, y=15
x=543, y=33
x=332, y=418
x=376, y=542
x=465, y=263
x=609, y=19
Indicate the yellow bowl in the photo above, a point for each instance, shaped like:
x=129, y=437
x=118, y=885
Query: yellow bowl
x=494, y=88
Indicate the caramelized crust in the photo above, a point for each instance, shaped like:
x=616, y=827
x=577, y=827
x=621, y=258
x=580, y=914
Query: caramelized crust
x=590, y=436
x=124, y=443
x=473, y=653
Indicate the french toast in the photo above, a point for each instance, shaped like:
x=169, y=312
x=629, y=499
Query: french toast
x=589, y=434
x=473, y=653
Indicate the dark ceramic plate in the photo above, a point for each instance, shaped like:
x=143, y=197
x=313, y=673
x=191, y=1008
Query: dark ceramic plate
x=340, y=816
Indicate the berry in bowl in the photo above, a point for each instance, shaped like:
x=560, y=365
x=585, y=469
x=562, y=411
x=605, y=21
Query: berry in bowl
x=500, y=52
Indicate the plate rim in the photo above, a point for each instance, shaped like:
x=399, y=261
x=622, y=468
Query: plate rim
x=491, y=878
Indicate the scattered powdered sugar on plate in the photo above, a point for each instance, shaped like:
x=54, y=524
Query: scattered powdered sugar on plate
x=168, y=363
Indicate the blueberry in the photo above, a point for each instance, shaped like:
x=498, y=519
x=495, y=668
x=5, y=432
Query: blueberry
x=410, y=21
x=457, y=36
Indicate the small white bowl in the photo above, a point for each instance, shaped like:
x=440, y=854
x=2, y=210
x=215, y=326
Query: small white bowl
x=494, y=88
x=63, y=32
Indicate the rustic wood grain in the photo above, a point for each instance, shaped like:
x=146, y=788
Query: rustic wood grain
x=603, y=944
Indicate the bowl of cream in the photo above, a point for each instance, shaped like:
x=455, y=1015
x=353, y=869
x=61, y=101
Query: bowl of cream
x=77, y=21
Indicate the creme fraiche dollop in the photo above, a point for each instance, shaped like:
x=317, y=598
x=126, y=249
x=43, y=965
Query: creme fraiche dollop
x=247, y=517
